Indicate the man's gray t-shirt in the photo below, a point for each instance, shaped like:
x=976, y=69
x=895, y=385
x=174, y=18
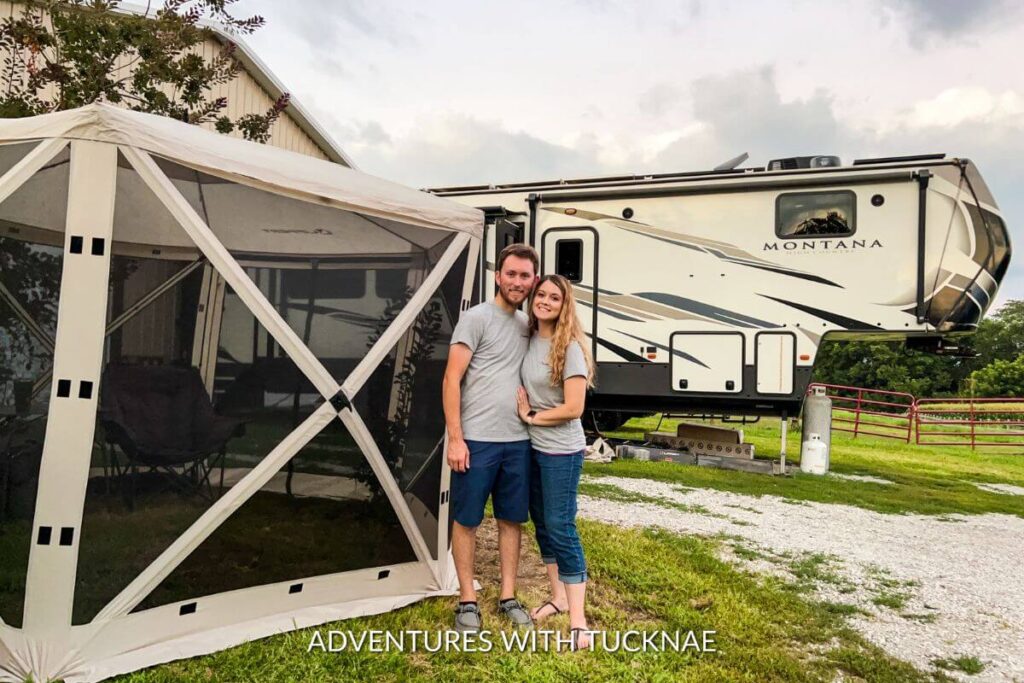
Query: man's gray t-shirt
x=498, y=341
x=567, y=437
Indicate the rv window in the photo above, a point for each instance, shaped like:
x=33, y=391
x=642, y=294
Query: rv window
x=330, y=283
x=815, y=214
x=391, y=283
x=569, y=259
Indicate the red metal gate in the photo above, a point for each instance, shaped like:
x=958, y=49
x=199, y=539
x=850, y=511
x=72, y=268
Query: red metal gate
x=974, y=422
x=857, y=410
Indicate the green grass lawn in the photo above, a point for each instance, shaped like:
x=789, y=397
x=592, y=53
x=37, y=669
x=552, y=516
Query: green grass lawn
x=651, y=579
x=766, y=628
x=648, y=580
x=926, y=479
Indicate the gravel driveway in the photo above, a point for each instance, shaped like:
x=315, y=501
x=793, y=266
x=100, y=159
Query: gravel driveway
x=925, y=587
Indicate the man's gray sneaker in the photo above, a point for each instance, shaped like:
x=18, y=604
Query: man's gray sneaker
x=516, y=613
x=467, y=617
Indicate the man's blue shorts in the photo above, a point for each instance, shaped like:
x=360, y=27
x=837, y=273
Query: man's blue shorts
x=501, y=469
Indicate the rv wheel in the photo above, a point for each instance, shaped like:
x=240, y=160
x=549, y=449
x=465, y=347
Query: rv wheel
x=607, y=420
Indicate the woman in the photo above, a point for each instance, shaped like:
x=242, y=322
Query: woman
x=556, y=373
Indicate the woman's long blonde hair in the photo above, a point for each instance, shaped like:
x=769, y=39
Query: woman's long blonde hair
x=567, y=330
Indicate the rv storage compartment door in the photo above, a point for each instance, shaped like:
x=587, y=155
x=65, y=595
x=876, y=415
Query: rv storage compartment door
x=775, y=354
x=707, y=362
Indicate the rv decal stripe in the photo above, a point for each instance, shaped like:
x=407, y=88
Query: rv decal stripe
x=662, y=239
x=706, y=310
x=650, y=230
x=941, y=307
x=621, y=311
x=618, y=350
x=842, y=321
x=599, y=290
x=815, y=338
x=973, y=287
x=791, y=273
x=584, y=297
x=674, y=352
x=607, y=311
x=638, y=306
x=720, y=249
x=620, y=316
x=747, y=261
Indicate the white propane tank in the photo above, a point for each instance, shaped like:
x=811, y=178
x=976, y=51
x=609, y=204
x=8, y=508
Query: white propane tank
x=814, y=455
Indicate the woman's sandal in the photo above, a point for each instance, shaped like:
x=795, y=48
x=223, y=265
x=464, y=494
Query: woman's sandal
x=576, y=632
x=536, y=615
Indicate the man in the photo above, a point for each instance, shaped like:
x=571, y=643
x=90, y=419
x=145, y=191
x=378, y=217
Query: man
x=488, y=445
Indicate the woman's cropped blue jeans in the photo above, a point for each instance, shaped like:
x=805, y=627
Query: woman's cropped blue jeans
x=554, y=482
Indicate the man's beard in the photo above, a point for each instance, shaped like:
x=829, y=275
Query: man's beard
x=513, y=298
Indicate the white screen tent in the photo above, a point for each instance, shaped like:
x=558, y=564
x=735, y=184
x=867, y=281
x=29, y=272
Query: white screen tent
x=312, y=304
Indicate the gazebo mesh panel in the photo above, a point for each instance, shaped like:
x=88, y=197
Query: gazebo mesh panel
x=31, y=262
x=319, y=515
x=22, y=214
x=324, y=512
x=340, y=306
x=401, y=404
x=137, y=503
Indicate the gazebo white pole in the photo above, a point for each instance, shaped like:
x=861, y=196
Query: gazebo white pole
x=77, y=367
x=444, y=565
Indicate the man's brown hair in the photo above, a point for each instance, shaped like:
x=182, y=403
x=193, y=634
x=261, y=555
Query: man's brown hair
x=520, y=251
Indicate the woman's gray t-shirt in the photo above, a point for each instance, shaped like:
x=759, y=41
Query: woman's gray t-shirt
x=567, y=437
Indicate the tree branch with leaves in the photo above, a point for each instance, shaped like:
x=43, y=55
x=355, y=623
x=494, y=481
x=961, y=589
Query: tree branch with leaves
x=64, y=54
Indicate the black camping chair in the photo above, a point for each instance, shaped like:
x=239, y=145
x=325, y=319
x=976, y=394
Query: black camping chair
x=161, y=419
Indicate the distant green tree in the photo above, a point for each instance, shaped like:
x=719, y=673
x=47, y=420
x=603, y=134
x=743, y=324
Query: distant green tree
x=63, y=54
x=1000, y=336
x=889, y=366
x=999, y=378
x=892, y=367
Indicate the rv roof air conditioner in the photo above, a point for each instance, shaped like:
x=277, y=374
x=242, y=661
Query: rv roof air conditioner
x=790, y=163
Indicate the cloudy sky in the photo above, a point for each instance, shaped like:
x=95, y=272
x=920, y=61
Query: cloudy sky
x=461, y=91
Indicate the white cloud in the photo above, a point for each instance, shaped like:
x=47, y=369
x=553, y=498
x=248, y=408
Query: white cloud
x=660, y=99
x=957, y=106
x=454, y=149
x=744, y=112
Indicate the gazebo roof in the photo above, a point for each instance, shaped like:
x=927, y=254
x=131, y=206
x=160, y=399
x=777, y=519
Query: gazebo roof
x=259, y=166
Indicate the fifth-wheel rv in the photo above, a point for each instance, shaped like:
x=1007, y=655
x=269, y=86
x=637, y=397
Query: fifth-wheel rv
x=711, y=291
